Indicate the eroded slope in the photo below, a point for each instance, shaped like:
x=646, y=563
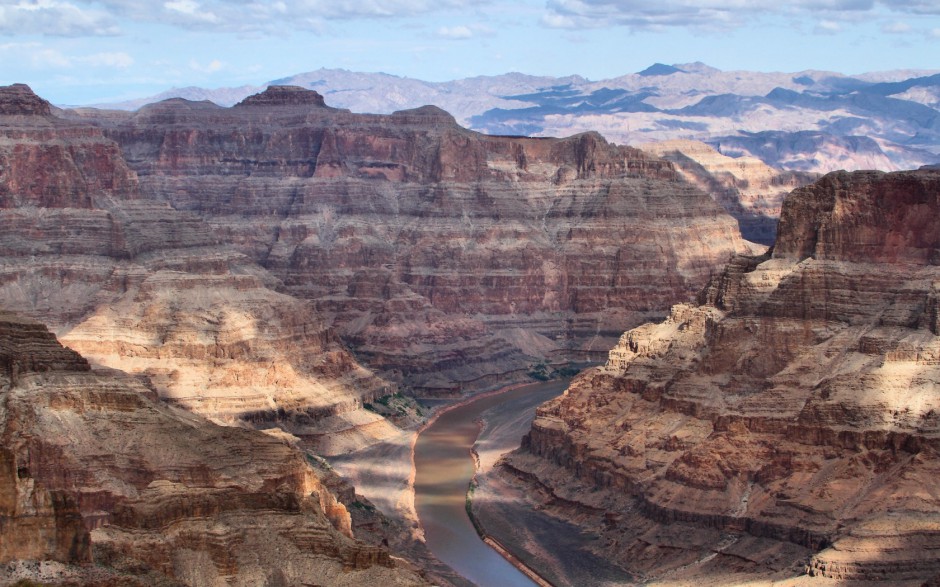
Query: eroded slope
x=136, y=285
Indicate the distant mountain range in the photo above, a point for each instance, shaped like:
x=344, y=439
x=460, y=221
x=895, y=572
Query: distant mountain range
x=806, y=121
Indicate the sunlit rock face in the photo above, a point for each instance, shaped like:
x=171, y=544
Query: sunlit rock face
x=136, y=285
x=788, y=424
x=94, y=469
x=447, y=259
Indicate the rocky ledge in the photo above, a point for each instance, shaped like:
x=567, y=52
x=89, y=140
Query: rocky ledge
x=786, y=427
x=19, y=99
x=284, y=96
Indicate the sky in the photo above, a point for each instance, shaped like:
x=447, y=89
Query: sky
x=89, y=51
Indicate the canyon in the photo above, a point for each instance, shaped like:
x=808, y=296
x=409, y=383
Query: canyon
x=132, y=283
x=242, y=291
x=448, y=260
x=746, y=187
x=298, y=274
x=784, y=427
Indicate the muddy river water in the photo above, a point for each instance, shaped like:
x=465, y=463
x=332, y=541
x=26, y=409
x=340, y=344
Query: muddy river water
x=444, y=467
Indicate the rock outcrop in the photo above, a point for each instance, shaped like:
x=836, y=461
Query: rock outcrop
x=787, y=426
x=448, y=260
x=746, y=187
x=94, y=469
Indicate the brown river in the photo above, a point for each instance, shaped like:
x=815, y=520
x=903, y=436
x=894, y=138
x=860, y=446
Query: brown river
x=444, y=467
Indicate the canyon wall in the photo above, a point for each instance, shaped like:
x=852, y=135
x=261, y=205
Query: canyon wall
x=785, y=427
x=134, y=284
x=450, y=261
x=94, y=469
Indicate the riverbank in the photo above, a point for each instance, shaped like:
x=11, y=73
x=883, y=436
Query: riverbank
x=496, y=437
x=510, y=513
x=385, y=473
x=444, y=470
x=433, y=420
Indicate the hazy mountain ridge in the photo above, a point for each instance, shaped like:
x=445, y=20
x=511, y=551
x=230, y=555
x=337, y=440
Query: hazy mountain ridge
x=886, y=120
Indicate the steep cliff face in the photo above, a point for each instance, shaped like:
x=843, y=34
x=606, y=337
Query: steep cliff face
x=136, y=285
x=746, y=187
x=447, y=259
x=93, y=469
x=785, y=427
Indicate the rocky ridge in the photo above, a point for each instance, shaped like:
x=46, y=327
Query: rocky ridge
x=447, y=259
x=785, y=427
x=812, y=120
x=94, y=469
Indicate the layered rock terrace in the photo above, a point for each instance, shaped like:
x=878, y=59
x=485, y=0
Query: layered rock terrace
x=135, y=284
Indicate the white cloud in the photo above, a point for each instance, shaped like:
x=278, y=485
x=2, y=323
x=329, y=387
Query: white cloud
x=640, y=14
x=212, y=67
x=99, y=17
x=461, y=32
x=53, y=18
x=188, y=10
x=45, y=58
x=183, y=6
x=558, y=21
x=934, y=33
x=896, y=28
x=114, y=60
x=270, y=17
x=49, y=59
x=456, y=32
x=18, y=46
x=913, y=6
x=827, y=27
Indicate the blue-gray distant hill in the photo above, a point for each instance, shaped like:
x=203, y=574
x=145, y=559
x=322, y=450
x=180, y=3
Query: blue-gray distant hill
x=809, y=120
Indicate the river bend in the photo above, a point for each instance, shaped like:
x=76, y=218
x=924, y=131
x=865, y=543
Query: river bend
x=444, y=467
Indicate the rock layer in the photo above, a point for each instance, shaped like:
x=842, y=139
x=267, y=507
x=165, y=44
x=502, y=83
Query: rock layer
x=92, y=468
x=449, y=260
x=786, y=427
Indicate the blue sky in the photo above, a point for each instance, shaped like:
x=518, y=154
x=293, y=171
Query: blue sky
x=83, y=51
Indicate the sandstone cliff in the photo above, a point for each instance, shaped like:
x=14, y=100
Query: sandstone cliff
x=93, y=469
x=746, y=187
x=448, y=260
x=786, y=427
